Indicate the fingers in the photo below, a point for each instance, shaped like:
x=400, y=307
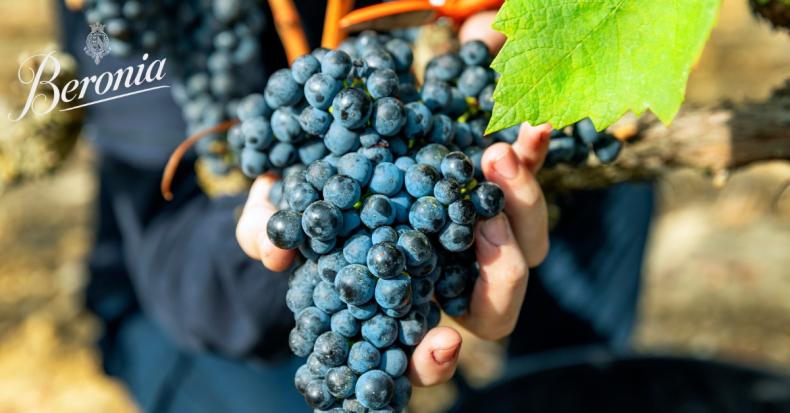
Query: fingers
x=524, y=202
x=532, y=145
x=434, y=360
x=499, y=291
x=478, y=27
x=251, y=228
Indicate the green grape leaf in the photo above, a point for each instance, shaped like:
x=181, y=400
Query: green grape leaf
x=565, y=60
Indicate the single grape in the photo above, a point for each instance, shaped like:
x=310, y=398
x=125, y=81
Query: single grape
x=284, y=229
x=355, y=285
x=363, y=357
x=488, y=199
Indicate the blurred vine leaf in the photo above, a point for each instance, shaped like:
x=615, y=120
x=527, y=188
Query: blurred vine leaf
x=565, y=60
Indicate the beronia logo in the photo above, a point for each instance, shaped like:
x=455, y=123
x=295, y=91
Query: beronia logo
x=45, y=96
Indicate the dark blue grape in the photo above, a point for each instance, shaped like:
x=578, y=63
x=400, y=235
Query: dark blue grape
x=355, y=285
x=462, y=212
x=398, y=146
x=356, y=248
x=416, y=247
x=436, y=95
x=381, y=331
x=315, y=121
x=302, y=195
x=318, y=173
x=326, y=298
x=355, y=166
x=345, y=324
x=322, y=220
x=463, y=135
x=427, y=215
x=394, y=362
x=401, y=202
x=387, y=179
x=351, y=222
x=446, y=67
x=341, y=381
x=447, y=191
x=342, y=191
x=321, y=89
x=404, y=162
x=306, y=274
x=401, y=53
x=432, y=154
x=424, y=269
x=377, y=58
x=384, y=234
x=456, y=238
x=488, y=199
x=474, y=52
x=282, y=89
x=282, y=154
x=382, y=83
x=455, y=307
x=443, y=130
x=312, y=150
x=312, y=322
x=607, y=148
x=365, y=311
x=420, y=180
x=317, y=395
x=284, y=229
x=353, y=405
x=394, y=292
x=585, y=130
x=340, y=140
x=351, y=107
x=419, y=120
x=315, y=367
x=331, y=349
x=300, y=343
x=253, y=163
x=402, y=394
x=304, y=67
x=299, y=297
x=322, y=247
x=377, y=211
x=385, y=261
x=411, y=328
x=374, y=389
x=458, y=104
x=253, y=106
x=377, y=154
x=422, y=290
x=388, y=116
x=302, y=377
x=363, y=357
x=336, y=64
x=475, y=154
x=458, y=166
x=330, y=264
x=485, y=99
x=257, y=132
x=473, y=79
x=398, y=312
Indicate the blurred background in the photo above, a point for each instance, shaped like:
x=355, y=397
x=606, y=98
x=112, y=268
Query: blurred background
x=717, y=273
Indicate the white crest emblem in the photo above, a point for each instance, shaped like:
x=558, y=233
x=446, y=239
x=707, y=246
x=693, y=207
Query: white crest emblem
x=97, y=44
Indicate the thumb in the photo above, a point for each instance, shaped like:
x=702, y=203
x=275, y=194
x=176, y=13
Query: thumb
x=524, y=202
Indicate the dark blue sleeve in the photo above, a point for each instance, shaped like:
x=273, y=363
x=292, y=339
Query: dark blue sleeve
x=194, y=279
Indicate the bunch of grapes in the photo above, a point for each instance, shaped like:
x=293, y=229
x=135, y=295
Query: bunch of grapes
x=380, y=193
x=574, y=148
x=210, y=44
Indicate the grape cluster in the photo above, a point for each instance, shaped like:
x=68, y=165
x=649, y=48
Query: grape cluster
x=574, y=148
x=211, y=46
x=380, y=193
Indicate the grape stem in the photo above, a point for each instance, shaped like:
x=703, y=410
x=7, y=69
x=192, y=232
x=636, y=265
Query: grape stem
x=181, y=149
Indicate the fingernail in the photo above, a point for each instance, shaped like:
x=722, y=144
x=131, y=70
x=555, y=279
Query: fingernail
x=445, y=355
x=505, y=164
x=496, y=230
